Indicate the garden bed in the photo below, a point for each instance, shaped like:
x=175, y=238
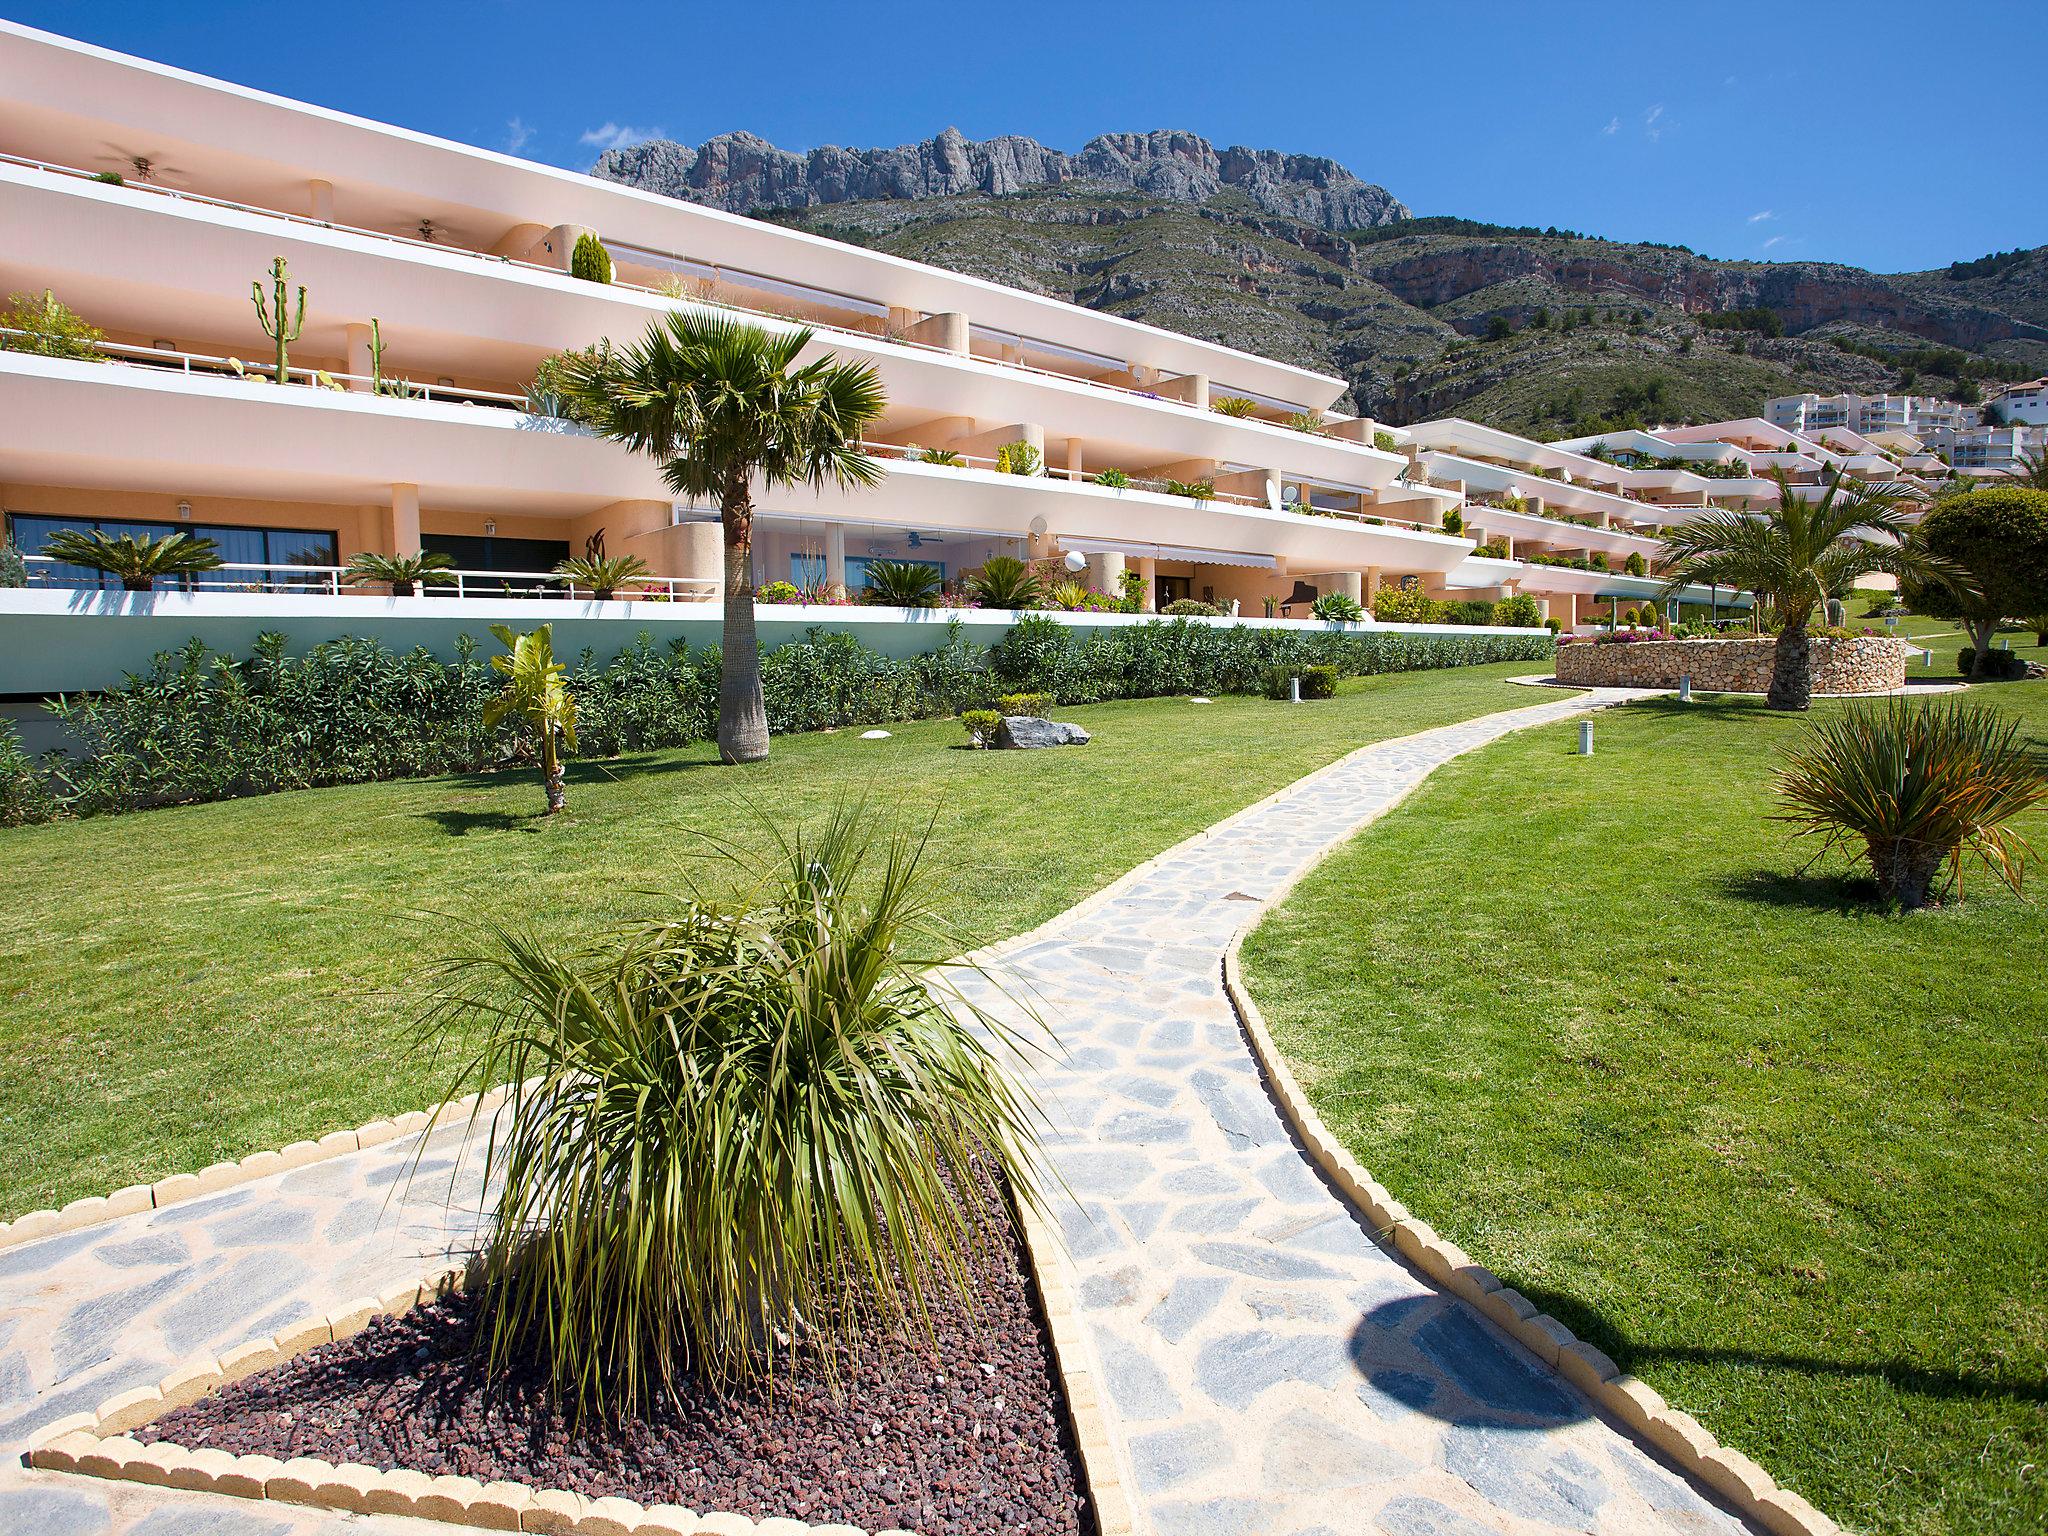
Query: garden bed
x=967, y=1432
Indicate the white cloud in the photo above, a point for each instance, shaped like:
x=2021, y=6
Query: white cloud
x=1758, y=218
x=517, y=136
x=1774, y=240
x=618, y=136
x=1651, y=125
x=1613, y=126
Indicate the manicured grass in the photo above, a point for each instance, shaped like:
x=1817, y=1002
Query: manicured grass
x=1779, y=1154
x=194, y=984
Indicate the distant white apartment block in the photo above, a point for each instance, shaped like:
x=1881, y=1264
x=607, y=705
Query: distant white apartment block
x=1868, y=414
x=2020, y=404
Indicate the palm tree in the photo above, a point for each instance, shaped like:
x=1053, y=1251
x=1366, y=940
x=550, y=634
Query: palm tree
x=2029, y=471
x=1795, y=556
x=403, y=574
x=137, y=562
x=722, y=405
x=536, y=693
x=603, y=576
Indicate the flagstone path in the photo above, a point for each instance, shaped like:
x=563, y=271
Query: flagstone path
x=1277, y=1371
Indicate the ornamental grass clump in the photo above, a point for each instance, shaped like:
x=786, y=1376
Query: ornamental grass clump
x=1917, y=786
x=742, y=1135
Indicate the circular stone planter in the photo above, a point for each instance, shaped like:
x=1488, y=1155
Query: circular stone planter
x=1862, y=664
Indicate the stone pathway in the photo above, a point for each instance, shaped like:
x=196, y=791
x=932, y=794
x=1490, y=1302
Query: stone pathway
x=1276, y=1370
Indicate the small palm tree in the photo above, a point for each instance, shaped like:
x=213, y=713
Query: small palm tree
x=723, y=406
x=1004, y=581
x=403, y=574
x=137, y=562
x=536, y=692
x=2029, y=471
x=603, y=576
x=905, y=583
x=1794, y=557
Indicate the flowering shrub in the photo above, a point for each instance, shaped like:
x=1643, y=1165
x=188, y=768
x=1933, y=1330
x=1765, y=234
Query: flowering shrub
x=778, y=592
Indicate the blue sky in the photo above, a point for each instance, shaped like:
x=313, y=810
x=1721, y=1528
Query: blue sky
x=1813, y=130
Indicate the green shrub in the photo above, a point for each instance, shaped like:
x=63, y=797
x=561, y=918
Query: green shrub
x=1404, y=605
x=590, y=260
x=1191, y=608
x=1492, y=549
x=1024, y=703
x=1318, y=680
x=1115, y=479
x=1384, y=441
x=1519, y=611
x=981, y=725
x=13, y=569
x=25, y=794
x=49, y=328
x=1338, y=607
x=1553, y=625
x=1018, y=458
x=735, y=1133
x=1999, y=666
x=1911, y=787
x=1634, y=564
x=779, y=592
x=1649, y=617
x=1454, y=521
x=1196, y=490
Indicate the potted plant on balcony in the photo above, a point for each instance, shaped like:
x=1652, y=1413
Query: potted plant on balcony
x=403, y=574
x=604, y=576
x=1004, y=581
x=44, y=325
x=136, y=562
x=903, y=584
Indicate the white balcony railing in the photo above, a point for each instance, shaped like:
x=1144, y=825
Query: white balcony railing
x=335, y=580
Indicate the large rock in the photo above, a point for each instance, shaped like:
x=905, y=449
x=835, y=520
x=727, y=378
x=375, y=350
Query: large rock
x=1033, y=731
x=742, y=173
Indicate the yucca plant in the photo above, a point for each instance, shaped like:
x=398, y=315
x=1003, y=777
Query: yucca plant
x=903, y=583
x=1917, y=786
x=536, y=692
x=403, y=574
x=742, y=1135
x=604, y=576
x=137, y=562
x=1004, y=581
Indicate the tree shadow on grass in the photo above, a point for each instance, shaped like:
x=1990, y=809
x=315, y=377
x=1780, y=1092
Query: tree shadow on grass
x=1839, y=892
x=592, y=771
x=1904, y=1375
x=457, y=823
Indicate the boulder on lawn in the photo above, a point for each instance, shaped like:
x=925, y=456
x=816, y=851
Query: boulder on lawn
x=1033, y=731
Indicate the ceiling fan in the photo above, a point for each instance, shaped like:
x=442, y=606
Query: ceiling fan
x=149, y=168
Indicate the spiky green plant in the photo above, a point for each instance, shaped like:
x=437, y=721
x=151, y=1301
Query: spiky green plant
x=1794, y=557
x=1234, y=405
x=403, y=574
x=536, y=692
x=2029, y=471
x=603, y=576
x=137, y=562
x=724, y=405
x=1004, y=581
x=1194, y=490
x=1339, y=607
x=1113, y=479
x=280, y=330
x=743, y=1134
x=1917, y=785
x=903, y=583
x=944, y=457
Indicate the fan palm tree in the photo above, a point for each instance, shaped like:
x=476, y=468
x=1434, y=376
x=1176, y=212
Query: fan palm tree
x=536, y=692
x=723, y=406
x=604, y=577
x=404, y=574
x=2029, y=471
x=137, y=562
x=1795, y=556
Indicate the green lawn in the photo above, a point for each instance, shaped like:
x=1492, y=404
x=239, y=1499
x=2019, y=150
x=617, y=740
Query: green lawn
x=194, y=984
x=1780, y=1155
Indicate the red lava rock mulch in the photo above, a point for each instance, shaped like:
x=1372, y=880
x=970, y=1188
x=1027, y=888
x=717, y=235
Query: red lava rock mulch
x=972, y=1438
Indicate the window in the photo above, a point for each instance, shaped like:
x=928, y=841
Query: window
x=807, y=570
x=236, y=546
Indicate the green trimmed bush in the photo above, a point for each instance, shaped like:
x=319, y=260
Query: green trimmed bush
x=1191, y=608
x=590, y=260
x=1999, y=666
x=1024, y=703
x=981, y=725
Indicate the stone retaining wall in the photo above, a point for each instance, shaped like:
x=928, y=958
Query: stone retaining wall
x=1864, y=664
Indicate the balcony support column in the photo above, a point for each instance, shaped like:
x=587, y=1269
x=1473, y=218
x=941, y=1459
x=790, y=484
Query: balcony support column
x=947, y=331
x=1189, y=388
x=835, y=554
x=1533, y=505
x=1372, y=585
x=320, y=200
x=560, y=245
x=1106, y=572
x=403, y=529
x=1075, y=468
x=1274, y=496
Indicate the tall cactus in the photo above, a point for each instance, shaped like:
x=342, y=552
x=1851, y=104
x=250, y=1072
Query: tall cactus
x=376, y=357
x=284, y=334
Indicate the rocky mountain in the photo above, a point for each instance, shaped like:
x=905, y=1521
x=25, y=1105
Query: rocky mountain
x=1539, y=330
x=745, y=174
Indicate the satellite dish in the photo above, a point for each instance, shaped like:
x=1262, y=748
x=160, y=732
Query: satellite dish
x=1037, y=527
x=1076, y=561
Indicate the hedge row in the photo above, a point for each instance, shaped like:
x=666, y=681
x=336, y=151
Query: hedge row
x=205, y=726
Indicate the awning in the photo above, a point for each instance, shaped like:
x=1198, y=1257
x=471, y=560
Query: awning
x=1168, y=552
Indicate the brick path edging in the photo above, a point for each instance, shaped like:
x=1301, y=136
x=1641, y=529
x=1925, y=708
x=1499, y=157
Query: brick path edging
x=1635, y=1406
